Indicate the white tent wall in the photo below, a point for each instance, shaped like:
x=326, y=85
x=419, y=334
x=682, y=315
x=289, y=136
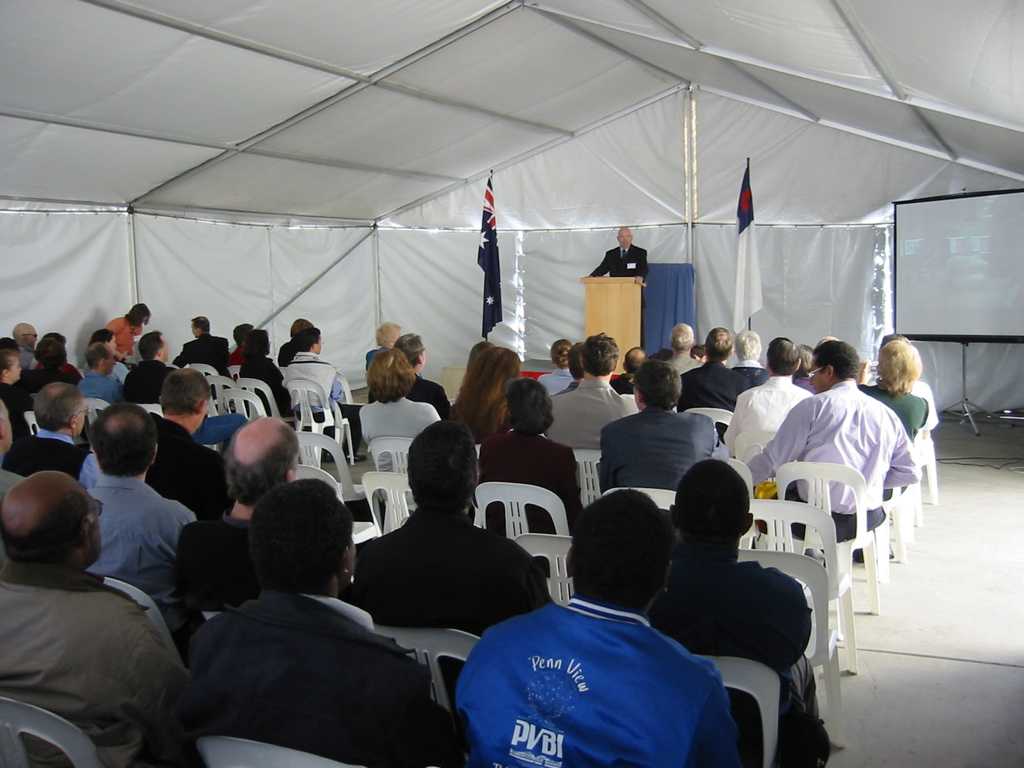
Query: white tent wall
x=64, y=272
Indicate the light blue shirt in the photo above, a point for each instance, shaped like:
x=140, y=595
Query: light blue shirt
x=90, y=471
x=139, y=530
x=120, y=373
x=103, y=387
x=556, y=381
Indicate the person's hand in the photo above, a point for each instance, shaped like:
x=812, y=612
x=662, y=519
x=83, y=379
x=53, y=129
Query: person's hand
x=640, y=281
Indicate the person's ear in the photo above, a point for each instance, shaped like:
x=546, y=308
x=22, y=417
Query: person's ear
x=291, y=475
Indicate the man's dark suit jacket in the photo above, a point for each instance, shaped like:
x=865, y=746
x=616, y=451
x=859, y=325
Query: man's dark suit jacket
x=654, y=448
x=37, y=454
x=512, y=457
x=207, y=349
x=426, y=391
x=288, y=670
x=755, y=376
x=439, y=570
x=18, y=401
x=614, y=265
x=263, y=368
x=711, y=386
x=144, y=382
x=37, y=378
x=188, y=472
x=213, y=564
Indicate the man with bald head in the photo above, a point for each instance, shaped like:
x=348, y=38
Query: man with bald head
x=214, y=568
x=625, y=261
x=26, y=336
x=72, y=646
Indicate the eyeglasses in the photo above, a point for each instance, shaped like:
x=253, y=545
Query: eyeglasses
x=815, y=372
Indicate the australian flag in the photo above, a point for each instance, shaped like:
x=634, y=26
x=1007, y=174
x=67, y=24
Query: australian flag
x=487, y=258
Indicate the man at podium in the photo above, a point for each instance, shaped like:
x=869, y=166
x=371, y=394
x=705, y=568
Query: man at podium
x=625, y=261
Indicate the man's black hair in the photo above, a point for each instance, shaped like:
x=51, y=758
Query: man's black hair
x=529, y=406
x=257, y=344
x=658, y=384
x=150, y=344
x=56, y=535
x=101, y=336
x=298, y=534
x=621, y=549
x=712, y=503
x=123, y=437
x=783, y=357
x=841, y=356
x=303, y=341
x=443, y=467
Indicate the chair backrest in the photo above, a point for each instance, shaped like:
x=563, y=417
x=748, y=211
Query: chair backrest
x=817, y=475
x=306, y=395
x=306, y=472
x=229, y=752
x=33, y=424
x=261, y=387
x=779, y=517
x=234, y=370
x=203, y=368
x=397, y=448
x=311, y=444
x=219, y=385
x=430, y=646
x=93, y=407
x=717, y=415
x=346, y=390
x=514, y=497
x=587, y=460
x=660, y=496
x=387, y=492
x=811, y=574
x=750, y=443
x=152, y=408
x=762, y=683
x=244, y=403
x=743, y=471
x=555, y=550
x=17, y=718
x=147, y=604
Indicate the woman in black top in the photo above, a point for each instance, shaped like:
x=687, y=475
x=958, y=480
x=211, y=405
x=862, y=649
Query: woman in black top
x=258, y=365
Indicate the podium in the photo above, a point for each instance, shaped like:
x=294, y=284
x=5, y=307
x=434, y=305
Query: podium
x=613, y=307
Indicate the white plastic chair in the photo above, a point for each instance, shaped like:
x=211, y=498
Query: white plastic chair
x=717, y=415
x=750, y=443
x=17, y=718
x=258, y=386
x=743, y=471
x=823, y=647
x=587, y=461
x=660, y=496
x=430, y=646
x=555, y=550
x=361, y=530
x=33, y=423
x=901, y=511
x=311, y=446
x=245, y=403
x=152, y=408
x=397, y=451
x=763, y=684
x=234, y=370
x=229, y=752
x=93, y=407
x=312, y=401
x=387, y=489
x=219, y=385
x=147, y=604
x=203, y=368
x=924, y=450
x=514, y=497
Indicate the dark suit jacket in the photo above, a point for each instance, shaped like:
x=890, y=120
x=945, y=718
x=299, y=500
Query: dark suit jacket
x=211, y=350
x=188, y=472
x=263, y=368
x=654, y=448
x=288, y=670
x=711, y=386
x=614, y=265
x=512, y=457
x=17, y=401
x=37, y=454
x=439, y=570
x=35, y=379
x=213, y=564
x=755, y=376
x=286, y=354
x=144, y=382
x=426, y=391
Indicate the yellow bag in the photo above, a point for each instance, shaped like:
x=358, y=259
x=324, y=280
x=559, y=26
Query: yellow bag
x=766, y=490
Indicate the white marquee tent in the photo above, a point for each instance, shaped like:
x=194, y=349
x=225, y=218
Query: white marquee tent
x=259, y=160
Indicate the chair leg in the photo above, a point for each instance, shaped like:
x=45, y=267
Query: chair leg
x=871, y=569
x=881, y=535
x=348, y=439
x=834, y=712
x=933, y=483
x=849, y=630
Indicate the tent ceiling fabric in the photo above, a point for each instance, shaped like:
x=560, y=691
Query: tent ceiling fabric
x=349, y=110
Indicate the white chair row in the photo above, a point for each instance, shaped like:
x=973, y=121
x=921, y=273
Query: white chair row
x=317, y=412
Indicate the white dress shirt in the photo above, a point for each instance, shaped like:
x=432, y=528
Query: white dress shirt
x=763, y=408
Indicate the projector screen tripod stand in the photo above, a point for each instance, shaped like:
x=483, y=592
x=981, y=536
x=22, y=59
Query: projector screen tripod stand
x=965, y=410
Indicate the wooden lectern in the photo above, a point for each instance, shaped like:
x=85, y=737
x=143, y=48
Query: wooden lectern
x=613, y=307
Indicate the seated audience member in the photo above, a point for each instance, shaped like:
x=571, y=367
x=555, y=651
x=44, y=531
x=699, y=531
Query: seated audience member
x=301, y=669
x=423, y=390
x=105, y=337
x=240, y=334
x=713, y=385
x=67, y=368
x=439, y=570
x=184, y=470
x=17, y=400
x=763, y=408
x=630, y=365
x=699, y=353
x=386, y=336
x=655, y=447
x=139, y=528
x=7, y=479
x=72, y=646
x=920, y=387
x=581, y=414
x=664, y=355
x=52, y=357
x=288, y=350
x=25, y=335
x=802, y=376
x=146, y=379
x=98, y=381
x=127, y=328
x=60, y=411
x=748, y=350
x=213, y=564
x=540, y=687
x=899, y=366
x=717, y=606
x=842, y=426
x=391, y=413
x=307, y=364
x=682, y=345
x=481, y=404
x=525, y=455
x=204, y=348
x=561, y=377
x=575, y=367
x=258, y=365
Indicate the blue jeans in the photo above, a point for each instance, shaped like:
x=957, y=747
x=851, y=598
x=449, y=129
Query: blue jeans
x=218, y=429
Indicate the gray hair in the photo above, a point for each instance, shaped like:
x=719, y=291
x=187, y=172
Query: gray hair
x=748, y=345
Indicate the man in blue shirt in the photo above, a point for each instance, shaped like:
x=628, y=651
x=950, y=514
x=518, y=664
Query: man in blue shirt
x=98, y=381
x=592, y=683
